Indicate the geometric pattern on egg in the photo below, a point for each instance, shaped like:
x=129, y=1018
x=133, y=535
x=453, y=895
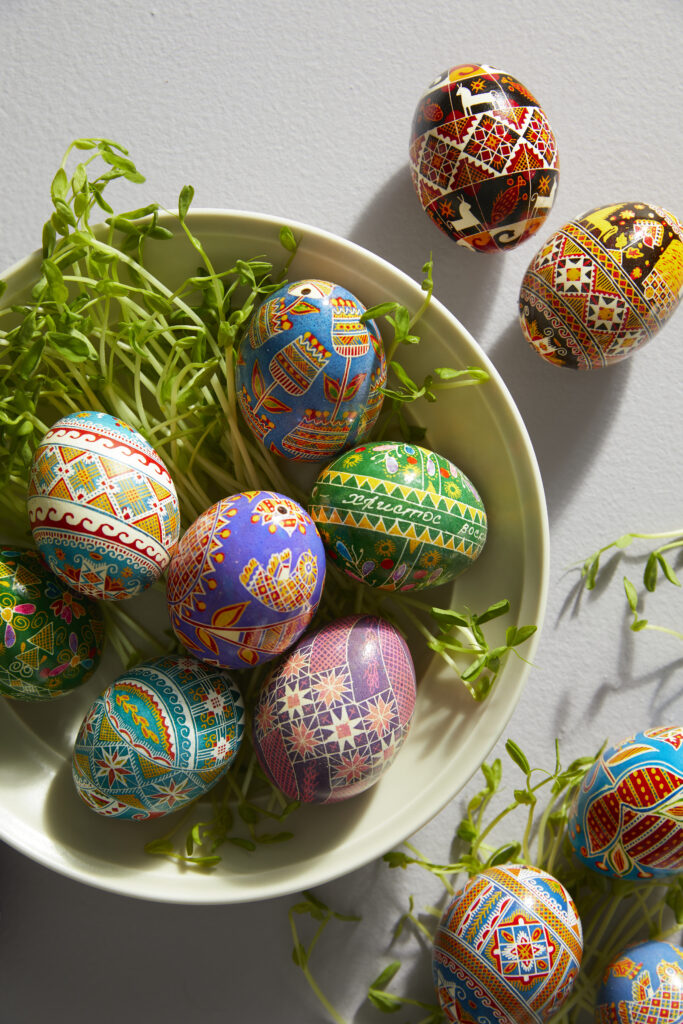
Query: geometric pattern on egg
x=483, y=158
x=644, y=985
x=603, y=285
x=102, y=506
x=627, y=817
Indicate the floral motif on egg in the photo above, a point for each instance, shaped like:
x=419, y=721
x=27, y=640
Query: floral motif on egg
x=102, y=507
x=159, y=737
x=644, y=985
x=483, y=158
x=398, y=516
x=51, y=639
x=508, y=948
x=246, y=579
x=627, y=818
x=603, y=285
x=334, y=712
x=309, y=373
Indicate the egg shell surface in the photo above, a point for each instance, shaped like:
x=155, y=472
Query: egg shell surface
x=102, y=506
x=508, y=948
x=603, y=285
x=483, y=158
x=334, y=712
x=644, y=983
x=398, y=517
x=309, y=374
x=246, y=579
x=51, y=639
x=626, y=820
x=159, y=736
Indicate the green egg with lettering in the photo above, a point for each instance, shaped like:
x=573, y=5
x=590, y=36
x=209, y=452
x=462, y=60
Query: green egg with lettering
x=398, y=517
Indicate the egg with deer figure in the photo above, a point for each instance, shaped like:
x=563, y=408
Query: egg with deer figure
x=483, y=158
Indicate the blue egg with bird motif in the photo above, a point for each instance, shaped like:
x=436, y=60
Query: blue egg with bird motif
x=309, y=373
x=158, y=738
x=643, y=984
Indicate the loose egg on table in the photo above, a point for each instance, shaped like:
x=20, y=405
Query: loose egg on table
x=398, y=516
x=159, y=736
x=626, y=821
x=644, y=984
x=246, y=579
x=309, y=373
x=51, y=639
x=335, y=711
x=483, y=158
x=603, y=285
x=102, y=507
x=508, y=948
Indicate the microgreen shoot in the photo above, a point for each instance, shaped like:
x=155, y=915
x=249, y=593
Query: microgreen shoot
x=320, y=913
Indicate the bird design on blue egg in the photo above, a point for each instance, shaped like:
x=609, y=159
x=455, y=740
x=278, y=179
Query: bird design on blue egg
x=309, y=373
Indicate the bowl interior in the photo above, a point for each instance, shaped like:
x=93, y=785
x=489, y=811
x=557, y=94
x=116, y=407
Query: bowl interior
x=478, y=428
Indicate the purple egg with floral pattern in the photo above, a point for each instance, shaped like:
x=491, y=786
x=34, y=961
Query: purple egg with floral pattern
x=644, y=984
x=334, y=712
x=246, y=579
x=309, y=372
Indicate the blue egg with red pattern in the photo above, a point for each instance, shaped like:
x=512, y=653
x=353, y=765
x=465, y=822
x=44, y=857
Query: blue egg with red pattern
x=309, y=373
x=644, y=983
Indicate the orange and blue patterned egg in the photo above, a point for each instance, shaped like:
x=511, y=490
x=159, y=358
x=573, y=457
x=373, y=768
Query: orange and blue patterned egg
x=483, y=158
x=603, y=285
x=644, y=983
x=508, y=948
x=246, y=579
x=333, y=714
x=51, y=638
x=398, y=516
x=626, y=820
x=102, y=506
x=309, y=372
x=160, y=736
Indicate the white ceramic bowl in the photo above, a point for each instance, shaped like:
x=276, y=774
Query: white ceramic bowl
x=478, y=428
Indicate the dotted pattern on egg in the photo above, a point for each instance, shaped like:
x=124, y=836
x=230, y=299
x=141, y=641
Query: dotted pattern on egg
x=644, y=984
x=50, y=638
x=159, y=737
x=331, y=717
x=627, y=818
x=483, y=158
x=508, y=947
x=398, y=516
x=102, y=507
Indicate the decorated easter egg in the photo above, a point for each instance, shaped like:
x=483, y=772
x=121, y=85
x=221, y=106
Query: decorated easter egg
x=335, y=710
x=158, y=737
x=626, y=820
x=246, y=579
x=102, y=506
x=483, y=158
x=644, y=983
x=508, y=948
x=51, y=639
x=309, y=373
x=398, y=516
x=603, y=285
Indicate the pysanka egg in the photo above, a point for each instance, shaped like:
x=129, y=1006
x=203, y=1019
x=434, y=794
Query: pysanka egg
x=246, y=579
x=603, y=285
x=483, y=158
x=102, y=506
x=309, y=373
x=50, y=638
x=158, y=737
x=334, y=712
x=626, y=821
x=508, y=948
x=398, y=516
x=644, y=983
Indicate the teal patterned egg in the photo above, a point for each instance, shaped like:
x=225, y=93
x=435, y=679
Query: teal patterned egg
x=398, y=516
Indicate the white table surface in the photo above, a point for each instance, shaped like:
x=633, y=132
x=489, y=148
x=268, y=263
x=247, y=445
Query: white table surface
x=304, y=111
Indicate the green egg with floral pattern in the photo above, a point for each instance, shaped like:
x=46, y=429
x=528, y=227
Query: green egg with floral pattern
x=51, y=638
x=398, y=517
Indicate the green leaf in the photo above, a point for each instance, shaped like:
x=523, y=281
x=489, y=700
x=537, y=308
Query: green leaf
x=381, y=309
x=384, y=1001
x=516, y=636
x=523, y=796
x=58, y=290
x=493, y=612
x=389, y=972
x=71, y=347
x=287, y=239
x=59, y=186
x=504, y=854
x=666, y=569
x=631, y=594
x=184, y=201
x=518, y=756
x=650, y=573
x=590, y=571
x=299, y=955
